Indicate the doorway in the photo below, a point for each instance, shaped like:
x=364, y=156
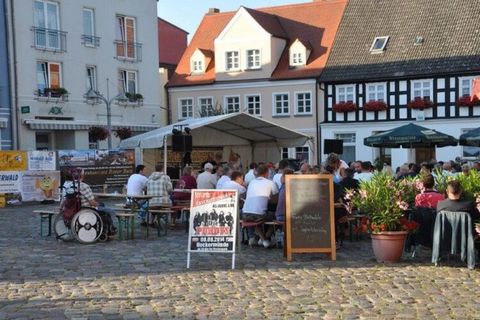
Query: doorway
x=43, y=141
x=424, y=155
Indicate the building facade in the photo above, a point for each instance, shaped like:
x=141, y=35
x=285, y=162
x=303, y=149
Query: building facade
x=62, y=49
x=410, y=61
x=265, y=62
x=6, y=139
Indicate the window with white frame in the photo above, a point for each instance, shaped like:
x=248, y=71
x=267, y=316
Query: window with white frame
x=48, y=75
x=284, y=153
x=303, y=102
x=186, y=108
x=197, y=66
x=280, y=104
x=379, y=44
x=253, y=59
x=349, y=140
x=470, y=151
x=47, y=22
x=126, y=37
x=232, y=60
x=297, y=59
x=206, y=106
x=253, y=104
x=345, y=93
x=232, y=104
x=89, y=27
x=466, y=85
x=422, y=89
x=302, y=153
x=127, y=81
x=376, y=92
x=91, y=78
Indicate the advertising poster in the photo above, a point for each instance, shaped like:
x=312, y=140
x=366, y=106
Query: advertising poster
x=213, y=219
x=40, y=185
x=102, y=167
x=42, y=160
x=13, y=160
x=10, y=181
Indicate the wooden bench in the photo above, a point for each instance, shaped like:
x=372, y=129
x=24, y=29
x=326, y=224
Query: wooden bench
x=158, y=214
x=46, y=217
x=127, y=221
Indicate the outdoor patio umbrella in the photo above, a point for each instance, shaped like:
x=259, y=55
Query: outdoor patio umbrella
x=471, y=138
x=410, y=136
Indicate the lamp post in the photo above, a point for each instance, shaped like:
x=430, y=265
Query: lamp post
x=93, y=96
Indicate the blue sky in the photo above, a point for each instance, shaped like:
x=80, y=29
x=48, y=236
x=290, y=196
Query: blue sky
x=187, y=14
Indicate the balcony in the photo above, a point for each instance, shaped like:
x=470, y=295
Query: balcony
x=90, y=41
x=51, y=95
x=49, y=39
x=128, y=51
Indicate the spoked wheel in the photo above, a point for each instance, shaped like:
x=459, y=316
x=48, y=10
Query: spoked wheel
x=61, y=230
x=87, y=226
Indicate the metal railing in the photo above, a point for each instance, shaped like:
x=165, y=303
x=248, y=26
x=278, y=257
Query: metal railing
x=128, y=51
x=90, y=41
x=49, y=39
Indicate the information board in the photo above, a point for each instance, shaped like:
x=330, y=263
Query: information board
x=213, y=222
x=310, y=218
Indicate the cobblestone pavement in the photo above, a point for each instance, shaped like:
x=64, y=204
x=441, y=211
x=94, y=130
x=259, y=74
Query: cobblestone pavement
x=42, y=278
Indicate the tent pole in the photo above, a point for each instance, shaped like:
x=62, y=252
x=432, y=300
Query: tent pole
x=165, y=154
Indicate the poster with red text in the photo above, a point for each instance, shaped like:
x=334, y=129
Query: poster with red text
x=213, y=220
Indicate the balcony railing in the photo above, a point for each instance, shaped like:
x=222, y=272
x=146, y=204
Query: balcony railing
x=128, y=51
x=90, y=41
x=51, y=94
x=49, y=39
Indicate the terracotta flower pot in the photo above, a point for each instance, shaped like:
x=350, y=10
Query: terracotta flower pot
x=388, y=245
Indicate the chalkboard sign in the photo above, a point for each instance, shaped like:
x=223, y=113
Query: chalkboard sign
x=310, y=218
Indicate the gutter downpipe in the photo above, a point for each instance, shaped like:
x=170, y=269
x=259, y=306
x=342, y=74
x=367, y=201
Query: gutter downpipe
x=317, y=125
x=14, y=113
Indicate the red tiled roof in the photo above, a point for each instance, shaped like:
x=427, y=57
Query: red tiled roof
x=172, y=42
x=315, y=23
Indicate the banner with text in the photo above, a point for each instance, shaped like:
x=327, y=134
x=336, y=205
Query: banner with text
x=10, y=181
x=13, y=160
x=40, y=185
x=42, y=160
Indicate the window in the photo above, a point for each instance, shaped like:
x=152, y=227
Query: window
x=303, y=103
x=91, y=78
x=89, y=28
x=284, y=153
x=422, y=88
x=126, y=39
x=206, y=107
x=302, y=153
x=297, y=59
x=253, y=59
x=48, y=75
x=47, y=25
x=253, y=104
x=197, y=66
x=127, y=81
x=466, y=85
x=232, y=59
x=186, y=108
x=349, y=140
x=280, y=104
x=379, y=44
x=470, y=151
x=376, y=92
x=346, y=93
x=232, y=104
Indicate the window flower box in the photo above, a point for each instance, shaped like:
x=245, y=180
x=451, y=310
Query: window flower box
x=134, y=98
x=420, y=103
x=375, y=105
x=467, y=101
x=47, y=94
x=348, y=106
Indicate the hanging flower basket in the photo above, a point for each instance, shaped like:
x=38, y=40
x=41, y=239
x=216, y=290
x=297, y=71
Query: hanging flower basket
x=375, y=105
x=344, y=107
x=467, y=101
x=420, y=103
x=123, y=133
x=98, y=133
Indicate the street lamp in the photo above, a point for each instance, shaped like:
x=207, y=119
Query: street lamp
x=93, y=96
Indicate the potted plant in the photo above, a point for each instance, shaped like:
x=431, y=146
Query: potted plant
x=385, y=201
x=347, y=106
x=123, y=133
x=375, y=105
x=98, y=133
x=468, y=101
x=134, y=97
x=420, y=103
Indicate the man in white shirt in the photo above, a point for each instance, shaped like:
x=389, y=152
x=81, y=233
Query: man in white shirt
x=277, y=178
x=227, y=171
x=250, y=174
x=207, y=179
x=135, y=187
x=259, y=192
x=366, y=174
x=236, y=183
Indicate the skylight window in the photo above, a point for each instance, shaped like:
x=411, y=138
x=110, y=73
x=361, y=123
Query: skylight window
x=379, y=44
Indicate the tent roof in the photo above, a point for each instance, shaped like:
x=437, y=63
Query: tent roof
x=240, y=125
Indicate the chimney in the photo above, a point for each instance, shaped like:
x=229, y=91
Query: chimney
x=213, y=10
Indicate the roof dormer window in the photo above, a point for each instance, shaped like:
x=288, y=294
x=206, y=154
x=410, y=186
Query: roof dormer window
x=298, y=59
x=299, y=52
x=379, y=44
x=197, y=66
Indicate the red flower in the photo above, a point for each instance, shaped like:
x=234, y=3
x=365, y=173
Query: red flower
x=375, y=105
x=420, y=103
x=468, y=101
x=348, y=106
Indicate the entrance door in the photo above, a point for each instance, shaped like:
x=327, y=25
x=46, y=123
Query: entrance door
x=43, y=141
x=424, y=154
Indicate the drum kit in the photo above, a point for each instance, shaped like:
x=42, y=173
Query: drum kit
x=85, y=227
